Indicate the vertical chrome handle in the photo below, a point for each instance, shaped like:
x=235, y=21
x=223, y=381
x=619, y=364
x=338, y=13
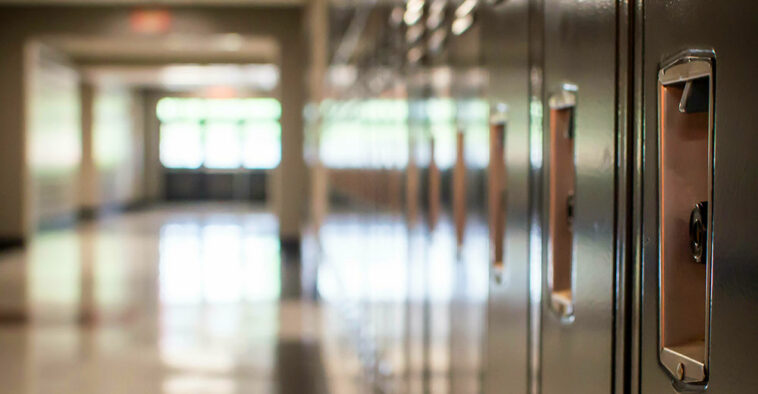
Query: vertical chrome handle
x=434, y=186
x=685, y=154
x=562, y=175
x=496, y=188
x=459, y=188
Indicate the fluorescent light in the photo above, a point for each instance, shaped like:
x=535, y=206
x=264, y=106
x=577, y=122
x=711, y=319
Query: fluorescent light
x=413, y=34
x=460, y=25
x=437, y=40
x=465, y=8
x=411, y=17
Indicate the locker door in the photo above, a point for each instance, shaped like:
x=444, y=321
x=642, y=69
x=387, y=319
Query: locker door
x=578, y=170
x=699, y=293
x=504, y=37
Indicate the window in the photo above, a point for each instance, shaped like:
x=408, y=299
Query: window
x=220, y=133
x=375, y=133
x=365, y=134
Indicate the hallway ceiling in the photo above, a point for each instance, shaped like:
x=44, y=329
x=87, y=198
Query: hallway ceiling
x=187, y=77
x=222, y=48
x=153, y=3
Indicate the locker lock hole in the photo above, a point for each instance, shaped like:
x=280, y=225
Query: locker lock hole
x=699, y=231
x=570, y=210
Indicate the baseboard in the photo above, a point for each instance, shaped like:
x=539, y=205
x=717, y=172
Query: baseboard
x=7, y=243
x=69, y=220
x=87, y=214
x=290, y=246
x=10, y=317
x=93, y=213
x=58, y=222
x=139, y=205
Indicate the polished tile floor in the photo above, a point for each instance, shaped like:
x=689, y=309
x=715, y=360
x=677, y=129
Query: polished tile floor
x=200, y=299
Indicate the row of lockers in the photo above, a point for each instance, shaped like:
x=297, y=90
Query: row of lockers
x=629, y=182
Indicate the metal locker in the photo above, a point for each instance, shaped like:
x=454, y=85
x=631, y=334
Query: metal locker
x=578, y=174
x=698, y=169
x=504, y=37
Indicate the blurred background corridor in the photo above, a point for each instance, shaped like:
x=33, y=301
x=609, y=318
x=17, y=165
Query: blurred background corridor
x=378, y=196
x=240, y=196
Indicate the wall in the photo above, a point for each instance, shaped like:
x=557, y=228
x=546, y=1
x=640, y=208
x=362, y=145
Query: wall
x=152, y=169
x=113, y=141
x=53, y=148
x=84, y=143
x=117, y=146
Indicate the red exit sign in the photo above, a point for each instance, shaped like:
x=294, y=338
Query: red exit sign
x=150, y=21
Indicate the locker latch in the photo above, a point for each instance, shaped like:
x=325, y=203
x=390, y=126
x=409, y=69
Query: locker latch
x=685, y=194
x=562, y=209
x=496, y=188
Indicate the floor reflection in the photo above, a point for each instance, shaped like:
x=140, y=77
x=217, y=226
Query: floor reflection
x=199, y=299
x=413, y=304
x=217, y=263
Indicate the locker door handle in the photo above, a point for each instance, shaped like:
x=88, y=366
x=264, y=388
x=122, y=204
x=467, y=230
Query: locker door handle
x=685, y=179
x=459, y=188
x=496, y=189
x=562, y=175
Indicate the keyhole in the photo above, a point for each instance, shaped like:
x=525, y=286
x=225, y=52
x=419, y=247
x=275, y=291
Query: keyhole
x=699, y=231
x=570, y=210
